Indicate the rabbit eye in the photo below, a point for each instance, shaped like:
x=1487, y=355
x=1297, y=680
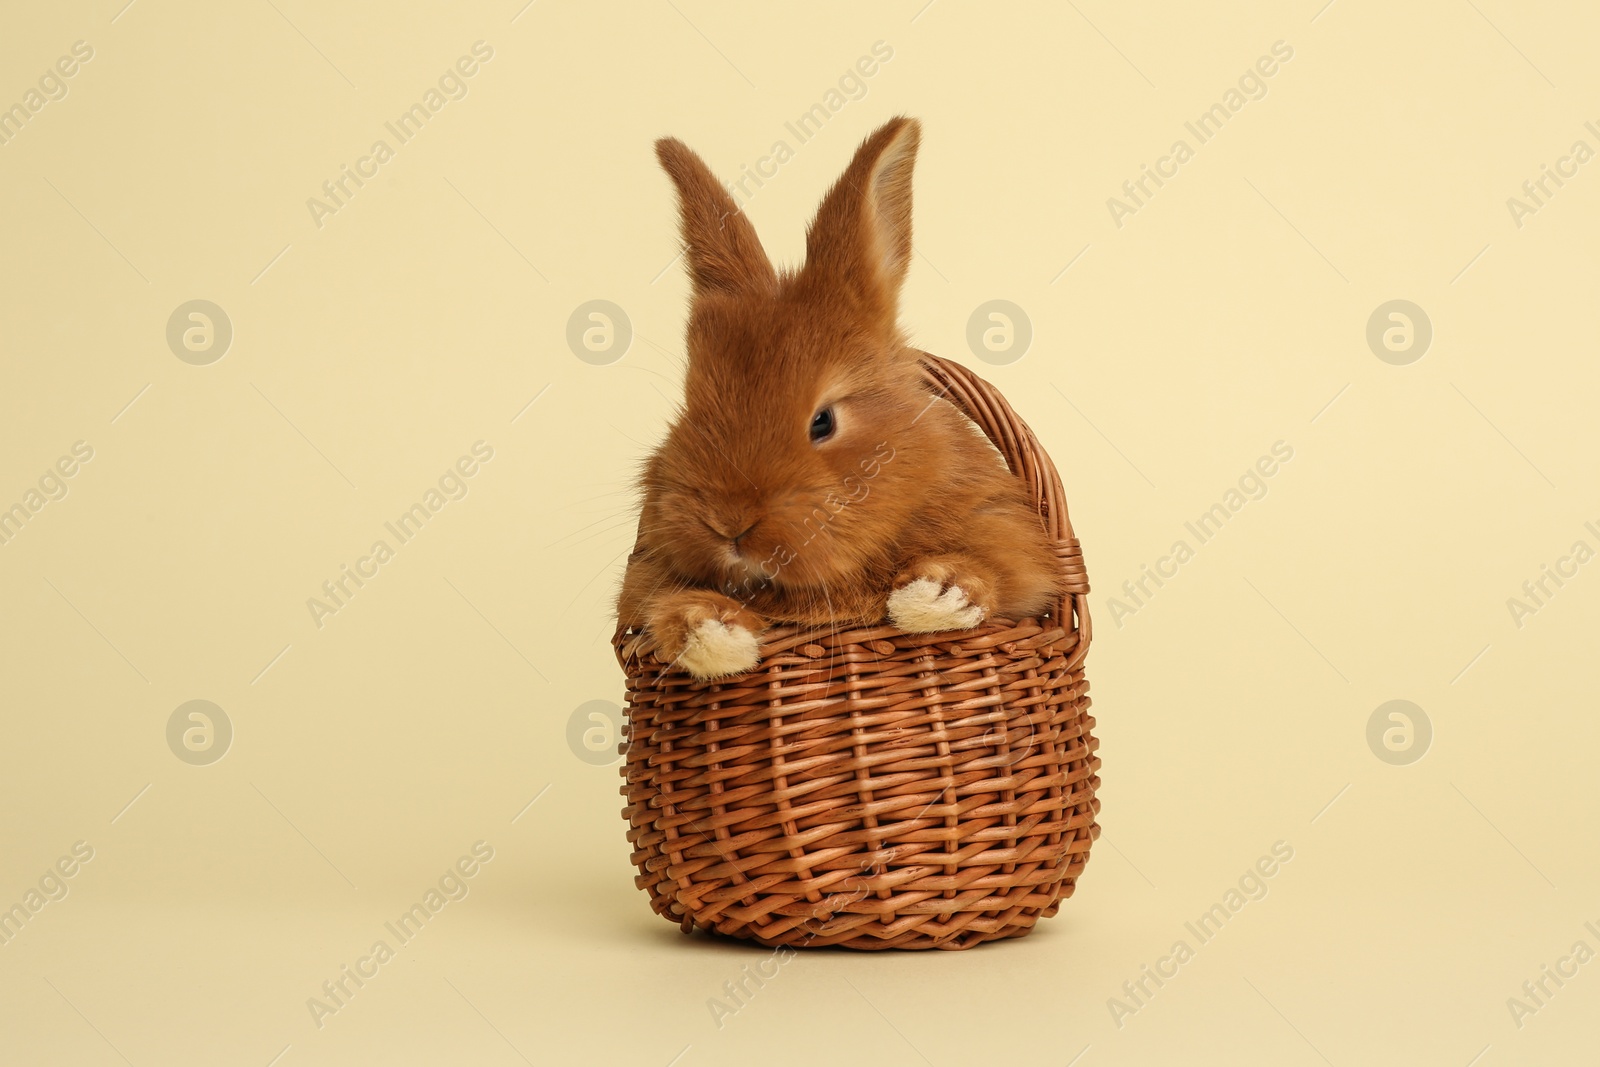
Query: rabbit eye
x=822, y=426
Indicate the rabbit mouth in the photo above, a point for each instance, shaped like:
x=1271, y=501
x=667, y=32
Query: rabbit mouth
x=747, y=572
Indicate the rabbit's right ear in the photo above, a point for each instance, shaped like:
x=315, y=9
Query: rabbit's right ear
x=722, y=248
x=860, y=241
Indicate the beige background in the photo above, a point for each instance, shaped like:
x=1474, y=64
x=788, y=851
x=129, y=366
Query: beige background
x=1227, y=314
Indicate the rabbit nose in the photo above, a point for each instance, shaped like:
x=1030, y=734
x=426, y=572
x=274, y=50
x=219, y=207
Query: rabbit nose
x=722, y=530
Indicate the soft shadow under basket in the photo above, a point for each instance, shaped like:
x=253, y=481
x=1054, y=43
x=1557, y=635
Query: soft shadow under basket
x=872, y=788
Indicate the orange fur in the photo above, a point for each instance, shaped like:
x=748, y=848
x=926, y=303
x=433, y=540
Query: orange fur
x=906, y=487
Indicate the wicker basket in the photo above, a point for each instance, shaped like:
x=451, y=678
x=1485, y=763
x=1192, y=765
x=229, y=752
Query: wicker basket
x=871, y=788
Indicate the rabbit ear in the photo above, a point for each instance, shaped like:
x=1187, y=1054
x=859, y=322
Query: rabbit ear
x=723, y=250
x=861, y=237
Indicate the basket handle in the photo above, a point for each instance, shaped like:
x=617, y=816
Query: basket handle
x=984, y=405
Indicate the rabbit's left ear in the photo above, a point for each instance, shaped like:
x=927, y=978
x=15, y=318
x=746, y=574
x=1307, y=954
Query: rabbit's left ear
x=861, y=237
x=722, y=248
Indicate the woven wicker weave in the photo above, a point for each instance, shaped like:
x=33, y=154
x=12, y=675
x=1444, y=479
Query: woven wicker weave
x=871, y=788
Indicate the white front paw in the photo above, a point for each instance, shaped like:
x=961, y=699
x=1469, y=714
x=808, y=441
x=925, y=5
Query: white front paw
x=715, y=648
x=924, y=606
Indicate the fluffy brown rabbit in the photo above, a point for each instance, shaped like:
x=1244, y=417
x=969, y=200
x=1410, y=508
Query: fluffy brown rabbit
x=811, y=475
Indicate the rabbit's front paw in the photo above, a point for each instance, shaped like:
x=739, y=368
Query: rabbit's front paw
x=939, y=594
x=925, y=606
x=716, y=648
x=707, y=634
